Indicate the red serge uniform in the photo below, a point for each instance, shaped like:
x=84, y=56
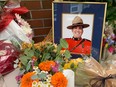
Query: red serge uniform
x=82, y=46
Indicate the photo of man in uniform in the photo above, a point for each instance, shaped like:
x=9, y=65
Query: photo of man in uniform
x=77, y=44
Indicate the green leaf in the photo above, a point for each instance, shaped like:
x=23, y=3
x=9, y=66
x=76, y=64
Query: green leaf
x=38, y=70
x=24, y=60
x=59, y=48
x=29, y=52
x=46, y=56
x=60, y=68
x=63, y=43
x=26, y=51
x=42, y=75
x=33, y=48
x=22, y=72
x=67, y=54
x=28, y=66
x=50, y=47
x=59, y=59
x=37, y=53
x=34, y=77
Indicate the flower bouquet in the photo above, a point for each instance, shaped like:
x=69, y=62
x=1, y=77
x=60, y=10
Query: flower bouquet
x=109, y=42
x=41, y=64
x=12, y=26
x=13, y=31
x=8, y=53
x=90, y=73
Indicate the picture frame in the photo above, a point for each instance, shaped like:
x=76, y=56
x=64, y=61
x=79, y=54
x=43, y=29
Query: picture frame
x=91, y=13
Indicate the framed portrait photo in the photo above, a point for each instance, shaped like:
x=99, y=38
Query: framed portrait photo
x=81, y=24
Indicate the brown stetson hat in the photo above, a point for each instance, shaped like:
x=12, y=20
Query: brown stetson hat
x=77, y=21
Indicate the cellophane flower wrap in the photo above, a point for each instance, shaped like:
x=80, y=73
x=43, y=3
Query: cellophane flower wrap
x=8, y=53
x=93, y=74
x=12, y=26
x=109, y=41
x=41, y=64
x=13, y=31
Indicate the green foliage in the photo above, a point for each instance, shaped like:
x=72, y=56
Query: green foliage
x=67, y=54
x=28, y=66
x=35, y=54
x=2, y=3
x=34, y=77
x=63, y=43
x=42, y=75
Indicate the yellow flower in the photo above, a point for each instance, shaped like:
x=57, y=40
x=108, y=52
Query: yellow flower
x=72, y=61
x=26, y=45
x=79, y=60
x=106, y=45
x=39, y=45
x=76, y=61
x=67, y=66
x=62, y=51
x=19, y=65
x=55, y=45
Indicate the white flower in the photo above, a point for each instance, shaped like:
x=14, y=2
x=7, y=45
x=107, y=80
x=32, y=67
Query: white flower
x=34, y=84
x=44, y=72
x=40, y=84
x=25, y=26
x=35, y=67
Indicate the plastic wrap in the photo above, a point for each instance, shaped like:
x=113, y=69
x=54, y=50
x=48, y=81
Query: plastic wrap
x=8, y=53
x=12, y=29
x=14, y=32
x=12, y=26
x=93, y=74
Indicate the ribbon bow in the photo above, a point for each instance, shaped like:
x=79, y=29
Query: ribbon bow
x=100, y=81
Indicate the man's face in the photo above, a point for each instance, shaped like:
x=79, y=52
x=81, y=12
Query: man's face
x=77, y=31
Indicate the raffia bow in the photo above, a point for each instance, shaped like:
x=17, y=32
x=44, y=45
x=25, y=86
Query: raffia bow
x=100, y=81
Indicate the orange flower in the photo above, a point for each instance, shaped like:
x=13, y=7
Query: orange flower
x=26, y=80
x=46, y=66
x=59, y=80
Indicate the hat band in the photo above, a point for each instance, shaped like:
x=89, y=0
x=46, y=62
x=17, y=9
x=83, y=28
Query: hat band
x=77, y=23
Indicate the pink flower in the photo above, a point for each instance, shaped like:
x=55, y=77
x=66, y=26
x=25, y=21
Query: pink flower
x=111, y=49
x=55, y=68
x=18, y=78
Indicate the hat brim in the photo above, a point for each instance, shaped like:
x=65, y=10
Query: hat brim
x=83, y=25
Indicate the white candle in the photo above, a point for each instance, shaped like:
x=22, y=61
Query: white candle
x=70, y=77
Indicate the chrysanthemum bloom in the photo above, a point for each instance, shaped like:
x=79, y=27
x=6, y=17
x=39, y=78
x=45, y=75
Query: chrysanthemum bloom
x=26, y=80
x=59, y=80
x=76, y=61
x=67, y=66
x=26, y=45
x=47, y=65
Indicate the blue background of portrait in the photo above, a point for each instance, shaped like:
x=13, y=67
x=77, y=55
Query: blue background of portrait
x=98, y=9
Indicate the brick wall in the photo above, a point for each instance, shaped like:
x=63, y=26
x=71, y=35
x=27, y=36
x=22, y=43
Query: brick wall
x=39, y=17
